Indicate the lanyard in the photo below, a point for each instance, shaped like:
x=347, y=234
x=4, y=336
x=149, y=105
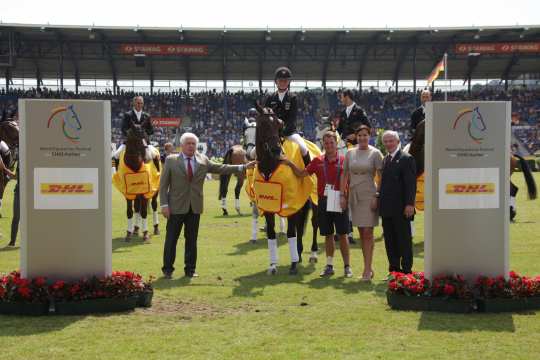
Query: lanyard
x=338, y=170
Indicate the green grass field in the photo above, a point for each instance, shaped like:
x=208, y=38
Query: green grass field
x=235, y=310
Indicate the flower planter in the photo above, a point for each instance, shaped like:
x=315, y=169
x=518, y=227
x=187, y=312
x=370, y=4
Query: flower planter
x=424, y=303
x=95, y=306
x=497, y=305
x=144, y=299
x=20, y=308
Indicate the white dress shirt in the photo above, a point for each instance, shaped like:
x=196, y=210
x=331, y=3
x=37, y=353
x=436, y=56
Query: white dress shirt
x=281, y=95
x=138, y=114
x=349, y=109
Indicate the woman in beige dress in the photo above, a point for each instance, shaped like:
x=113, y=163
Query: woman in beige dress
x=362, y=164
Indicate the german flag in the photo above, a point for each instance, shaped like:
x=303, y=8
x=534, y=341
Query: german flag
x=435, y=72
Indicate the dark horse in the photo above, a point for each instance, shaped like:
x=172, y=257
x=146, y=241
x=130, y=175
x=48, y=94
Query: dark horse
x=9, y=133
x=269, y=154
x=134, y=158
x=417, y=151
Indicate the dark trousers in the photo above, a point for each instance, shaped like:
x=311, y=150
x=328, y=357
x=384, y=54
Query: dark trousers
x=398, y=243
x=174, y=227
x=16, y=214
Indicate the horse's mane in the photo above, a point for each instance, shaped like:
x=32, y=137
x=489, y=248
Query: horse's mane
x=268, y=141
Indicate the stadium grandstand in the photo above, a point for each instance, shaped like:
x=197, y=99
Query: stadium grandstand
x=208, y=78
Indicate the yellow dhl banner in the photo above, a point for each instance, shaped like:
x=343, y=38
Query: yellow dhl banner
x=470, y=188
x=269, y=196
x=143, y=182
x=137, y=183
x=66, y=188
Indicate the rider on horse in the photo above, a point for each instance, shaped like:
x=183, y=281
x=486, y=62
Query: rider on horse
x=137, y=119
x=284, y=105
x=351, y=118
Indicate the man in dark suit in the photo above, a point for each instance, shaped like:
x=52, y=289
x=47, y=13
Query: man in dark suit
x=396, y=194
x=420, y=113
x=181, y=197
x=136, y=117
x=351, y=118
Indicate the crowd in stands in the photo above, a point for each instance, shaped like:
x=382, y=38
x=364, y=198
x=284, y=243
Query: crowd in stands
x=218, y=118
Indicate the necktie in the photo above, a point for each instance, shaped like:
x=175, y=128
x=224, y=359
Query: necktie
x=387, y=160
x=189, y=169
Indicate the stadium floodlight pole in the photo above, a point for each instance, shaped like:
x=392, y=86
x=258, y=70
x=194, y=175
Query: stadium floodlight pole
x=446, y=77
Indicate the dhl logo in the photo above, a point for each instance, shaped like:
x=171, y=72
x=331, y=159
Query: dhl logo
x=267, y=197
x=66, y=189
x=137, y=183
x=470, y=188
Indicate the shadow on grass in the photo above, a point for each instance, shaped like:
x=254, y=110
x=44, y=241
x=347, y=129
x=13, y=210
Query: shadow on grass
x=10, y=248
x=418, y=249
x=119, y=244
x=233, y=216
x=253, y=285
x=339, y=282
x=245, y=247
x=14, y=326
x=433, y=321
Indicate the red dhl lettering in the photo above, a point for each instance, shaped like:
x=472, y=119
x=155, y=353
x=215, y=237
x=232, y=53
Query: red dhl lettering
x=470, y=188
x=66, y=189
x=266, y=197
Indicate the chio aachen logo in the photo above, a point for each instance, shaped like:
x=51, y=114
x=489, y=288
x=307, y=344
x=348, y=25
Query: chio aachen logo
x=71, y=125
x=475, y=123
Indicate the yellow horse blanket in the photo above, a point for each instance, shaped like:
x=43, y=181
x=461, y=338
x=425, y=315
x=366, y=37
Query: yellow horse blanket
x=283, y=193
x=143, y=182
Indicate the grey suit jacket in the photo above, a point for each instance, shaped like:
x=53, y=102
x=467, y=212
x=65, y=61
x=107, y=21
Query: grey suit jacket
x=176, y=192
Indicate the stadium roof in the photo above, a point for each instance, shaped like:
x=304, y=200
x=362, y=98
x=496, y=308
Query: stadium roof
x=47, y=51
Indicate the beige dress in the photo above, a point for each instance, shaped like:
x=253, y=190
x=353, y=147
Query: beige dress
x=361, y=166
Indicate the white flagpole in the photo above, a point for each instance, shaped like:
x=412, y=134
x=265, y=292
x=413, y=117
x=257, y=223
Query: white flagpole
x=445, y=76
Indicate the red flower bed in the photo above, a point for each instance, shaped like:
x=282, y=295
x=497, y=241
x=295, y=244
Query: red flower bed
x=414, y=284
x=516, y=286
x=121, y=284
x=13, y=288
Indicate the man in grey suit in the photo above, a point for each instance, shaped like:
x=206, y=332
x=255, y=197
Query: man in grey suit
x=181, y=197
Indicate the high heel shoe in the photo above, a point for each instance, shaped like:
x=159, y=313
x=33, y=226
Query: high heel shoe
x=367, y=278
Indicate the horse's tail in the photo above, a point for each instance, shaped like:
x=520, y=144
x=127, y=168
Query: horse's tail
x=527, y=174
x=227, y=157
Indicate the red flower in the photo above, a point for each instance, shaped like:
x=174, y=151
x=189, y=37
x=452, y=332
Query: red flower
x=24, y=292
x=58, y=285
x=2, y=292
x=393, y=285
x=39, y=281
x=449, y=289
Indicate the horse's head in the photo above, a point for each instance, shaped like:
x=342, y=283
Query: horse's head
x=417, y=146
x=9, y=132
x=135, y=148
x=267, y=139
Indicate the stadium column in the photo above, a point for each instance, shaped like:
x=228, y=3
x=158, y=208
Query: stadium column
x=414, y=72
x=61, y=72
x=8, y=78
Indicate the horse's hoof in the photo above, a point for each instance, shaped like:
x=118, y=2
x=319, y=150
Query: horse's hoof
x=272, y=270
x=293, y=270
x=156, y=230
x=237, y=210
x=313, y=259
x=128, y=236
x=146, y=237
x=225, y=212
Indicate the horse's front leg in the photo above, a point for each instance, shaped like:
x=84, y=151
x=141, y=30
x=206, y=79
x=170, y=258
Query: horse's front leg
x=144, y=216
x=129, y=213
x=272, y=243
x=292, y=222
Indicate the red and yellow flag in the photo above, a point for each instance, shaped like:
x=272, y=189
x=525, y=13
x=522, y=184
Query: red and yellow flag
x=435, y=72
